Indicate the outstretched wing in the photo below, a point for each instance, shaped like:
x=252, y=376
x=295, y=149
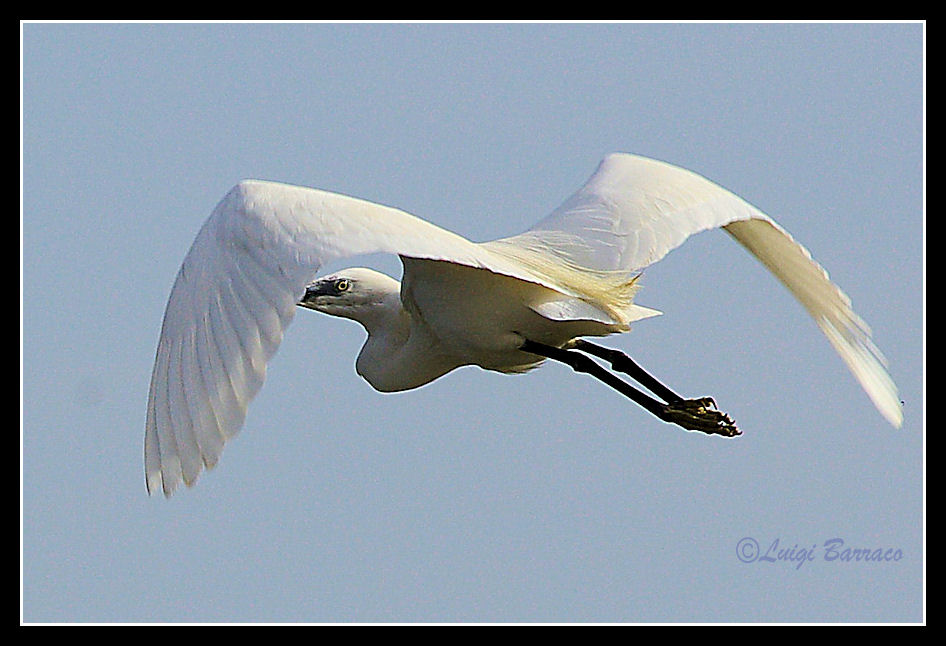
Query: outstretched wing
x=634, y=210
x=235, y=294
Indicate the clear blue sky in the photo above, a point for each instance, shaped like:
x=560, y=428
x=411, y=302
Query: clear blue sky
x=480, y=497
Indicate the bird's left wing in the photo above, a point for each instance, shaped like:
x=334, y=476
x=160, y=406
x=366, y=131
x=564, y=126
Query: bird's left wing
x=633, y=210
x=235, y=294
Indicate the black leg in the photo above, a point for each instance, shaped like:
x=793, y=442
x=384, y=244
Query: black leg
x=623, y=363
x=580, y=363
x=691, y=414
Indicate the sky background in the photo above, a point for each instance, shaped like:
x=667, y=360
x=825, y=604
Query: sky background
x=479, y=497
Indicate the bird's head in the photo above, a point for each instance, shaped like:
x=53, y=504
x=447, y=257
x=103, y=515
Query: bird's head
x=357, y=293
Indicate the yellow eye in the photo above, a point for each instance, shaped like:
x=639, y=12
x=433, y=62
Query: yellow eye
x=342, y=285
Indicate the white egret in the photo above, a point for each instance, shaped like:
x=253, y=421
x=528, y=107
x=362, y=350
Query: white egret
x=505, y=305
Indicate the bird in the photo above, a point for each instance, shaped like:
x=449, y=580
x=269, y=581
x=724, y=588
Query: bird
x=505, y=305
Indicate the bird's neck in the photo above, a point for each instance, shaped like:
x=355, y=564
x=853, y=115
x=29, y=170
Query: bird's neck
x=399, y=353
x=387, y=318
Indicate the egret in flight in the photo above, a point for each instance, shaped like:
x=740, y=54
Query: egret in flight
x=505, y=305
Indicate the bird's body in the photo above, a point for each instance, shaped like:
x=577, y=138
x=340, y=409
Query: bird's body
x=483, y=317
x=457, y=316
x=444, y=315
x=505, y=305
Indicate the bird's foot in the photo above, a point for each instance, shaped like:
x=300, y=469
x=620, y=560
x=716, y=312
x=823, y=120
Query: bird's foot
x=700, y=415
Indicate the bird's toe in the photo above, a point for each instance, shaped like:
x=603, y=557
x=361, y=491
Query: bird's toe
x=700, y=415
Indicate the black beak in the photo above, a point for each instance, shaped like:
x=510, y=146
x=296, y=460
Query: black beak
x=315, y=290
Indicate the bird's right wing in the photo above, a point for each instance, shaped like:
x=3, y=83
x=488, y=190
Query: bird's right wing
x=634, y=210
x=236, y=292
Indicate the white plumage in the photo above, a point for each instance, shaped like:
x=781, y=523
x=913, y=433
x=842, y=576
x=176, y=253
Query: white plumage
x=459, y=302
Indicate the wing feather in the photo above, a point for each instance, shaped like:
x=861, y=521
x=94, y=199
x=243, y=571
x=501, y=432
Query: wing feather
x=634, y=210
x=830, y=307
